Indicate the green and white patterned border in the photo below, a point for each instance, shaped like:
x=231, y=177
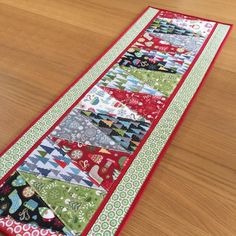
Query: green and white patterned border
x=27, y=141
x=119, y=203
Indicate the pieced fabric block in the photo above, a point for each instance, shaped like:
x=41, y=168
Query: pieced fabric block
x=163, y=82
x=79, y=168
x=121, y=79
x=125, y=132
x=101, y=165
x=23, y=204
x=77, y=127
x=73, y=204
x=150, y=42
x=147, y=105
x=99, y=101
x=48, y=160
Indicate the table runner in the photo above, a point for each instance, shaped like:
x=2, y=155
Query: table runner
x=81, y=166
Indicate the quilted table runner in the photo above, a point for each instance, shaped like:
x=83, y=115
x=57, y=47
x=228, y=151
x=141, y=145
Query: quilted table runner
x=79, y=168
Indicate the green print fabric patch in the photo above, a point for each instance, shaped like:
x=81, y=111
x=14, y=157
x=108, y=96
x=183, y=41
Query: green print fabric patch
x=162, y=82
x=73, y=204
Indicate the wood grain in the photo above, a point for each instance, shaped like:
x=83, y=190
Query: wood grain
x=45, y=44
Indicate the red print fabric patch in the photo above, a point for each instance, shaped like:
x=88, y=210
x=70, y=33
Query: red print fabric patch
x=147, y=105
x=20, y=229
x=103, y=166
x=150, y=42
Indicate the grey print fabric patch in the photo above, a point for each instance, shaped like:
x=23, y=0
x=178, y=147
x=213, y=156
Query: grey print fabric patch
x=77, y=128
x=191, y=43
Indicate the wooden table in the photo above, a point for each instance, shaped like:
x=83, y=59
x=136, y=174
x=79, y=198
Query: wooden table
x=45, y=44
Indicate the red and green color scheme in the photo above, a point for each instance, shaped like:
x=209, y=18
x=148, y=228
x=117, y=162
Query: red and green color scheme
x=79, y=168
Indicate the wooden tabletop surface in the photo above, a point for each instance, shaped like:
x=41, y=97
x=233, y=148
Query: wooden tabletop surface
x=45, y=44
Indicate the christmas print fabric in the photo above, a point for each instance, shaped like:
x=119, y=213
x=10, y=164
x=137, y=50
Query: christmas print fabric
x=20, y=202
x=60, y=185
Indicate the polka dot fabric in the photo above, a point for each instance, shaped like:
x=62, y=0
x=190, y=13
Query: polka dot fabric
x=14, y=228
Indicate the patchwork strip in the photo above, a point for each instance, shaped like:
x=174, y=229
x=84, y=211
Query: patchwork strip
x=52, y=162
x=81, y=170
